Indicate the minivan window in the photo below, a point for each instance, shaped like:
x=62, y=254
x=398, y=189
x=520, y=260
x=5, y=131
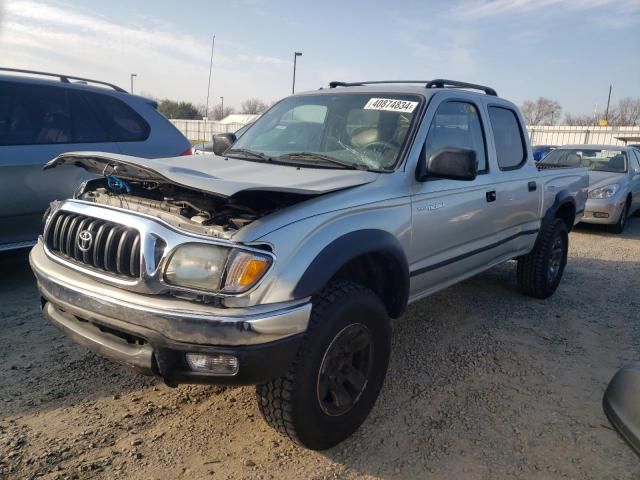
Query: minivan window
x=34, y=115
x=509, y=140
x=123, y=124
x=457, y=124
x=40, y=115
x=85, y=124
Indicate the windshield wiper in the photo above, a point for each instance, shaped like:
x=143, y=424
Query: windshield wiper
x=251, y=153
x=322, y=158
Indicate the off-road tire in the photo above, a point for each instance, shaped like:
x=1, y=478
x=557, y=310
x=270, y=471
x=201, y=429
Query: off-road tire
x=533, y=269
x=291, y=404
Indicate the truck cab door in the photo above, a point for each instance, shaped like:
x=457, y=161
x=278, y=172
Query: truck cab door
x=453, y=221
x=518, y=189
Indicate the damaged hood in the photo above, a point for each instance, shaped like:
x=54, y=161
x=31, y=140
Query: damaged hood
x=217, y=175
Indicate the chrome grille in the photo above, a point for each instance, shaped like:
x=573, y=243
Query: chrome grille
x=97, y=243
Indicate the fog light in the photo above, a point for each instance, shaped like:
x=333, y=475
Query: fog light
x=218, y=363
x=600, y=214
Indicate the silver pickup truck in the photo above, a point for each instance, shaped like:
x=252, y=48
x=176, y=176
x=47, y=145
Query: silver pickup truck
x=281, y=262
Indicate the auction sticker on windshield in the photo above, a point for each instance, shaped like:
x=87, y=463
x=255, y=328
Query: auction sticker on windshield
x=391, y=105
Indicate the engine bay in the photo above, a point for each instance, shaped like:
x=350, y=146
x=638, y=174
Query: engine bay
x=185, y=208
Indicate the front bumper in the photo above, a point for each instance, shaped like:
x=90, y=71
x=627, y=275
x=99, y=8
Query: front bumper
x=604, y=211
x=152, y=333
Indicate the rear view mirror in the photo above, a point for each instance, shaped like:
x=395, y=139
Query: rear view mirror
x=621, y=403
x=452, y=163
x=222, y=142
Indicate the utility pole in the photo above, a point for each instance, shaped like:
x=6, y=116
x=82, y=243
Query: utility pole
x=606, y=115
x=221, y=108
x=213, y=42
x=133, y=75
x=295, y=56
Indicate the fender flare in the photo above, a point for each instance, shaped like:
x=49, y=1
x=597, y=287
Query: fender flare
x=354, y=244
x=563, y=197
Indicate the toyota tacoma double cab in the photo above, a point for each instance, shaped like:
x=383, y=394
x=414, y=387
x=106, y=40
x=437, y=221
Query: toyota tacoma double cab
x=282, y=262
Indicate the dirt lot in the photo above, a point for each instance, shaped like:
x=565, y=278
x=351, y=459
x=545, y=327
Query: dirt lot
x=484, y=384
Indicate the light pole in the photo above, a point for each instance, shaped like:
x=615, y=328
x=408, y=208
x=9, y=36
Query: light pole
x=133, y=75
x=221, y=108
x=295, y=57
x=213, y=43
x=606, y=114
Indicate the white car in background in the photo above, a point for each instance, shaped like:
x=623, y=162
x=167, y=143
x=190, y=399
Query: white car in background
x=614, y=180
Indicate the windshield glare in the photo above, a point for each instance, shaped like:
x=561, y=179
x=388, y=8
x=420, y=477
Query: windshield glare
x=363, y=130
x=614, y=161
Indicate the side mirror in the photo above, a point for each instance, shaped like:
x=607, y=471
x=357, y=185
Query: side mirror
x=222, y=142
x=621, y=404
x=451, y=163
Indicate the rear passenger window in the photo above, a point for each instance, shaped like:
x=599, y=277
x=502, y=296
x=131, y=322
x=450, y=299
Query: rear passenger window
x=85, y=124
x=457, y=124
x=123, y=124
x=509, y=140
x=34, y=115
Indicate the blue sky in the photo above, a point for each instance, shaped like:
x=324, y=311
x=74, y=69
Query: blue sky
x=568, y=50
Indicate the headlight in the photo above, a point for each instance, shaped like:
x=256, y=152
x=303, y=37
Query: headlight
x=212, y=268
x=604, y=192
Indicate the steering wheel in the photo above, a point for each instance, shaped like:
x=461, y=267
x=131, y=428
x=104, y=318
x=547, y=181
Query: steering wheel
x=380, y=147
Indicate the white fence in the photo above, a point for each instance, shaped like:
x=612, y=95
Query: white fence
x=539, y=135
x=562, y=135
x=198, y=130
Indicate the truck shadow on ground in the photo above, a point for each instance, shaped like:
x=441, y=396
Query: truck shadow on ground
x=483, y=379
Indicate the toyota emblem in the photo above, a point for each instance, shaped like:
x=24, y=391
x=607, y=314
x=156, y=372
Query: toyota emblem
x=84, y=240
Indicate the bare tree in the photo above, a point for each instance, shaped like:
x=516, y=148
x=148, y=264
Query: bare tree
x=585, y=120
x=625, y=113
x=542, y=111
x=218, y=114
x=253, y=105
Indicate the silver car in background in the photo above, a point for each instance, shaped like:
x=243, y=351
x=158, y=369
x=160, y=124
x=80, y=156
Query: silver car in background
x=43, y=115
x=614, y=180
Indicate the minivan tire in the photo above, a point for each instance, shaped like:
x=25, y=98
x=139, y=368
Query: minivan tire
x=338, y=371
x=539, y=273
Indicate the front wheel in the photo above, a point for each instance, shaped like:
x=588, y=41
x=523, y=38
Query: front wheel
x=338, y=371
x=539, y=273
x=622, y=220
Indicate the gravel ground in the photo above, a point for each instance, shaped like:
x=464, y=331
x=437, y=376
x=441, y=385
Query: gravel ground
x=483, y=384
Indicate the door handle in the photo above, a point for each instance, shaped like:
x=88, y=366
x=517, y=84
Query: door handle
x=533, y=186
x=491, y=196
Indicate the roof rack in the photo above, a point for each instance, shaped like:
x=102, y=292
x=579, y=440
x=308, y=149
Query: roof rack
x=438, y=83
x=63, y=78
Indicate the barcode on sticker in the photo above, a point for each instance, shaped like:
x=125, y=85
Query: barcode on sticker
x=391, y=105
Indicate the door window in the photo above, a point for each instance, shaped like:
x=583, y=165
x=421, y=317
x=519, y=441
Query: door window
x=457, y=124
x=34, y=115
x=508, y=137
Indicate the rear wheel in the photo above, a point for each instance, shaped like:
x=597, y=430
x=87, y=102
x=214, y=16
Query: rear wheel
x=539, y=272
x=338, y=372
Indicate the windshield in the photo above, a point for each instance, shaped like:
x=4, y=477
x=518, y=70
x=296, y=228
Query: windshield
x=352, y=130
x=605, y=160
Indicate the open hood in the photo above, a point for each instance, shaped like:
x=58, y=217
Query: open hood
x=217, y=175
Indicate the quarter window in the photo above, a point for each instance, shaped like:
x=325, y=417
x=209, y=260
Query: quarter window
x=510, y=147
x=86, y=126
x=122, y=123
x=457, y=124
